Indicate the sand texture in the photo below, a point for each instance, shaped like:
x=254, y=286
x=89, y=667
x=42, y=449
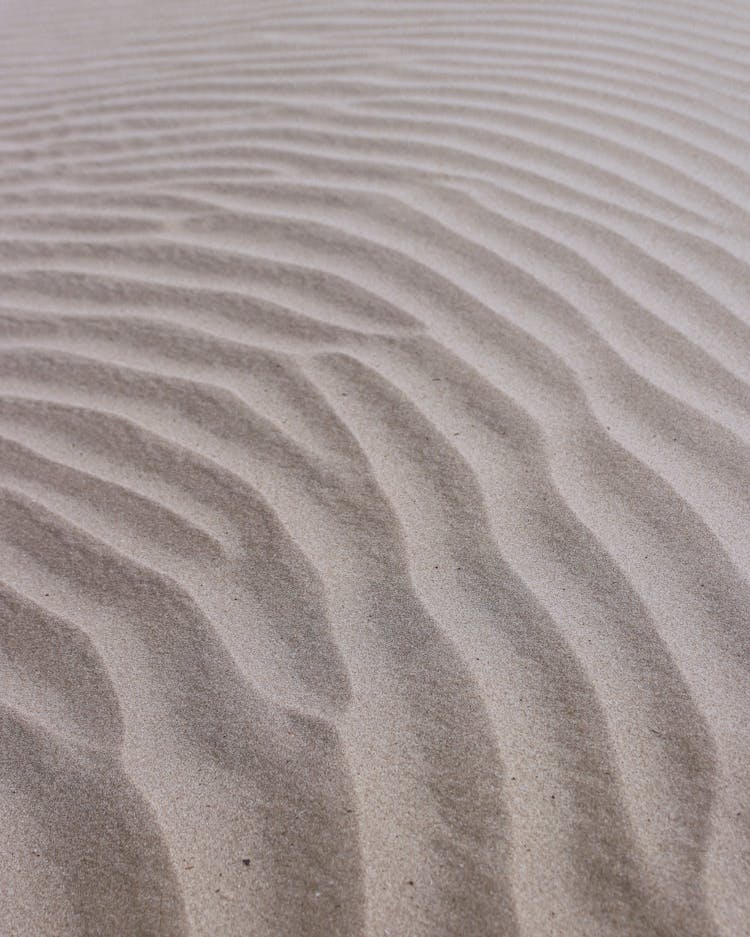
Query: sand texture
x=374, y=468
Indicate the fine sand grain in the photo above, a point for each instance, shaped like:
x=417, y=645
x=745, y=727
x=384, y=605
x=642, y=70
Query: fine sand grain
x=374, y=468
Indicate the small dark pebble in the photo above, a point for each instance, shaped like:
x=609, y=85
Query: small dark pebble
x=246, y=862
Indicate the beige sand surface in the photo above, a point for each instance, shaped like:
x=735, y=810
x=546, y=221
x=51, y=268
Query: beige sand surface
x=374, y=468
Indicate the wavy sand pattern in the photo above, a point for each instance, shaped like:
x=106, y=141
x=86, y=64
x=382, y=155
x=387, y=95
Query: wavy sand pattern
x=375, y=469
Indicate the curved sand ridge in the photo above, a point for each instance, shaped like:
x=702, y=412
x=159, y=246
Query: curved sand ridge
x=375, y=469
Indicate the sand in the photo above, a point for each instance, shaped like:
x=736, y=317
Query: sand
x=374, y=469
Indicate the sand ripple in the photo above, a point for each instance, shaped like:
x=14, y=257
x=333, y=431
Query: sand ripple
x=375, y=469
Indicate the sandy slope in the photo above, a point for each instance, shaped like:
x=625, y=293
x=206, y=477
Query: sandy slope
x=374, y=468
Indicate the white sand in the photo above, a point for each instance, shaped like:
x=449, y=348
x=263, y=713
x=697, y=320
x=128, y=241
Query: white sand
x=374, y=468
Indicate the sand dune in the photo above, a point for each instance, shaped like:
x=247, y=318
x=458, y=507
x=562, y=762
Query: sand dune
x=375, y=469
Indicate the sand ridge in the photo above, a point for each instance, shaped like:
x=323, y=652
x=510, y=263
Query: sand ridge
x=374, y=436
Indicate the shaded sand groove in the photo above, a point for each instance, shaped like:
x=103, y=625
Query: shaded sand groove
x=375, y=469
